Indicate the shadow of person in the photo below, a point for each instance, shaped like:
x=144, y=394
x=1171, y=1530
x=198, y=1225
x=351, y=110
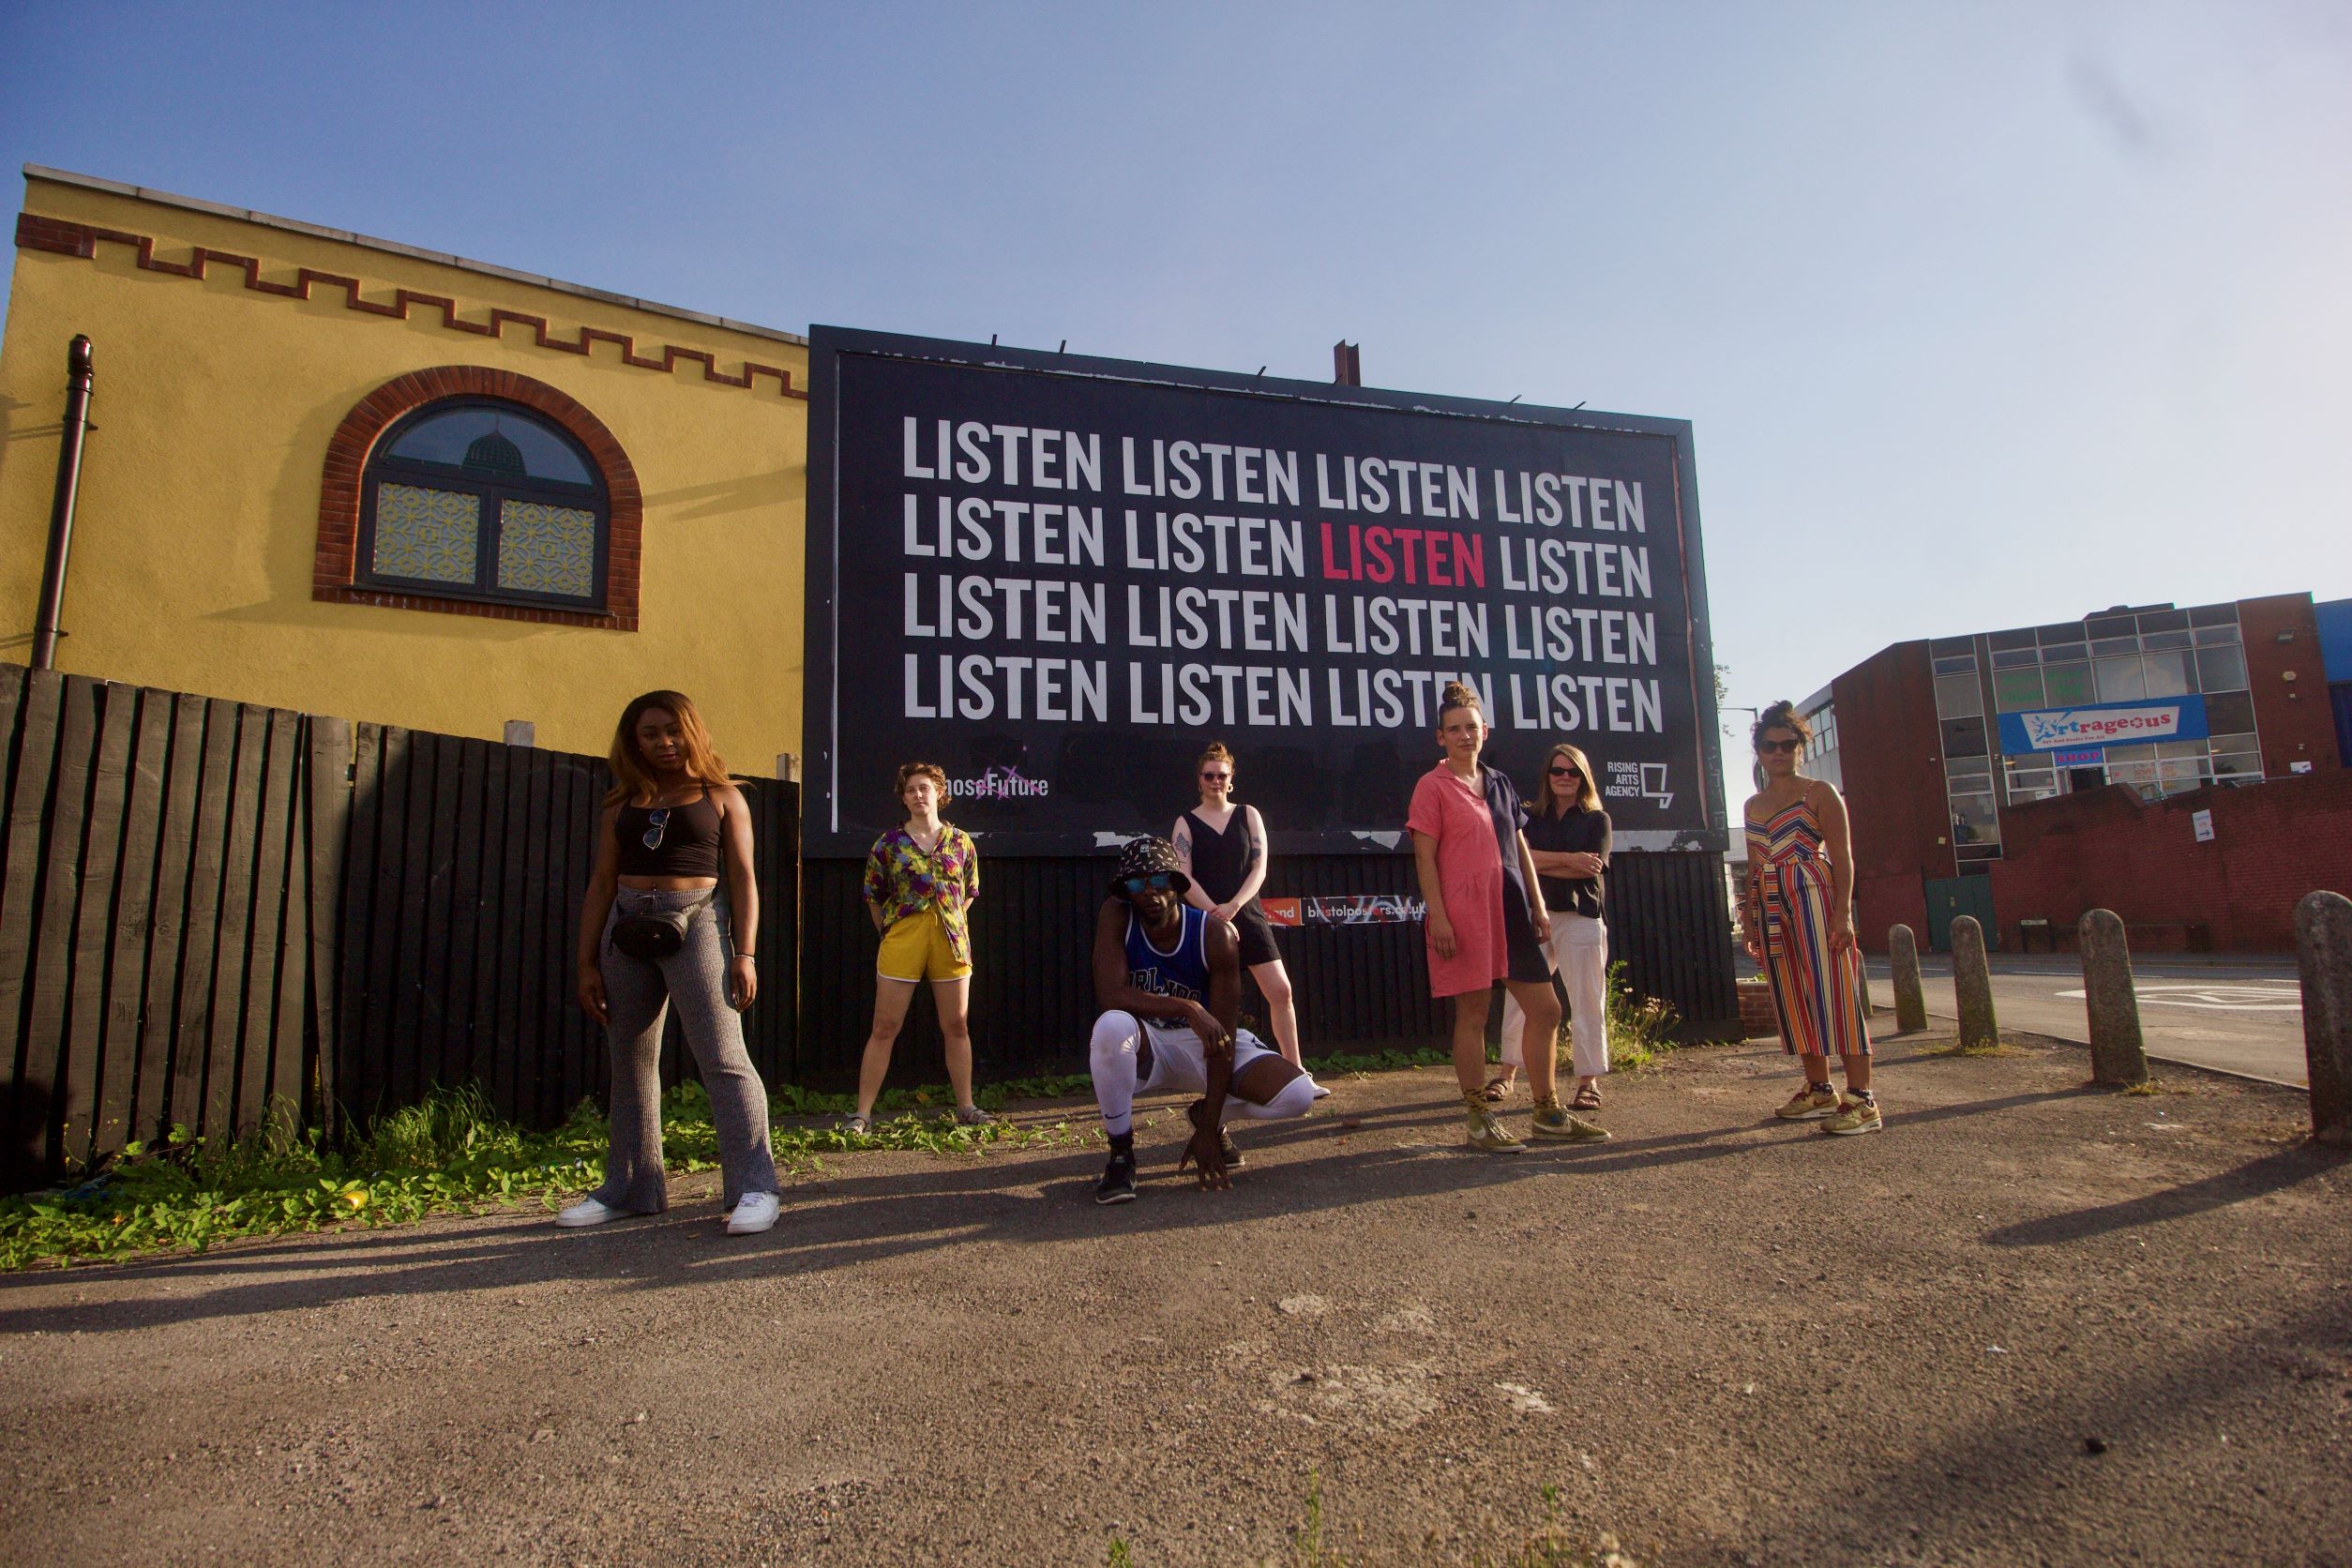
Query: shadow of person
x=2271, y=1173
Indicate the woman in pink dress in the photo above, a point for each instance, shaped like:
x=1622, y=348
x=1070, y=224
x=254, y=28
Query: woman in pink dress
x=1487, y=920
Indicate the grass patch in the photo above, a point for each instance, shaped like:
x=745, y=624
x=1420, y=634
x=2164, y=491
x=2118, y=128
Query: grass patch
x=2150, y=1085
x=2007, y=1045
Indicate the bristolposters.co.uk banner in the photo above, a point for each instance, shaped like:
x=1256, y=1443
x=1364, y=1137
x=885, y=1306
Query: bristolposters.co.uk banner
x=1060, y=579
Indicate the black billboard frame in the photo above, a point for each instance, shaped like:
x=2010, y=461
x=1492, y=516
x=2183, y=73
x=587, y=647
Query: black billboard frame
x=820, y=673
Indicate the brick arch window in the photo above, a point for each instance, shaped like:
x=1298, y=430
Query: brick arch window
x=481, y=493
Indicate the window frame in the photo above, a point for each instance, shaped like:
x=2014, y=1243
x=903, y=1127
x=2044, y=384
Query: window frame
x=384, y=468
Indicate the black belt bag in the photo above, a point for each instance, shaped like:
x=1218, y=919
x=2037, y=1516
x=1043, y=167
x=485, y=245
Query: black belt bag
x=651, y=938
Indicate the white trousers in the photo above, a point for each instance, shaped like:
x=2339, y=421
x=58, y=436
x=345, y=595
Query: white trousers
x=1580, y=951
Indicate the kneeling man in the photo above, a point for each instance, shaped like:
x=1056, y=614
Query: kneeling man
x=1168, y=978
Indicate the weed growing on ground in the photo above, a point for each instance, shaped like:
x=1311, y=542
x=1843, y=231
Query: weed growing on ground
x=2150, y=1085
x=2005, y=1047
x=1641, y=1029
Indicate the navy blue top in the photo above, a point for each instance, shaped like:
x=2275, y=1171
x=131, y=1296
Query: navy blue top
x=1183, y=973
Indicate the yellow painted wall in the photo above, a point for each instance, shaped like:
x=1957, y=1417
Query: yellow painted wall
x=193, y=540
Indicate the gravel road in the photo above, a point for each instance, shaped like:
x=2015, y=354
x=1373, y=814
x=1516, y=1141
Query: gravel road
x=1724, y=1339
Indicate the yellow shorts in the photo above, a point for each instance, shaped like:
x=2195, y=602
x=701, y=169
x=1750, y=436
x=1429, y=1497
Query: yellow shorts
x=916, y=948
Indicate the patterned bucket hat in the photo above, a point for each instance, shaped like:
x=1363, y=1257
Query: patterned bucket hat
x=1148, y=857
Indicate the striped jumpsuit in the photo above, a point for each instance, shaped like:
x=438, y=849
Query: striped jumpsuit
x=1819, y=996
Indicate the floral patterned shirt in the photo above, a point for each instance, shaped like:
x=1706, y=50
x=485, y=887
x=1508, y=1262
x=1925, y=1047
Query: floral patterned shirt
x=901, y=879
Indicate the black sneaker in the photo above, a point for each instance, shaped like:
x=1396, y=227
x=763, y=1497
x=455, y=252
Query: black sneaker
x=1118, y=1183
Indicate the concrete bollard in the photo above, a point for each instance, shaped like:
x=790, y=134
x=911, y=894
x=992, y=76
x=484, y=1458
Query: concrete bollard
x=2119, y=1059
x=1910, y=1002
x=1973, y=984
x=2323, y=949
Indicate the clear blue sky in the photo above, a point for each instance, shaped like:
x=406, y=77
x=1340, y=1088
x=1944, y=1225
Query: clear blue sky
x=1986, y=314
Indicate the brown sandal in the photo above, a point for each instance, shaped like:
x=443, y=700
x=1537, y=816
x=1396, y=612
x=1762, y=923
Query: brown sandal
x=1588, y=1099
x=1499, y=1090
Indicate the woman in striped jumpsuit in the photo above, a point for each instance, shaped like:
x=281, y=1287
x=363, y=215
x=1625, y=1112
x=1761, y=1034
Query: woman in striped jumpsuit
x=1800, y=927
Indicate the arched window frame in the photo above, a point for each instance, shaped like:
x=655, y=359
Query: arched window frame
x=345, y=495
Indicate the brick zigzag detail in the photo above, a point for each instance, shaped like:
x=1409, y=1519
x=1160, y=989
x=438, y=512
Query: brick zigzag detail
x=67, y=238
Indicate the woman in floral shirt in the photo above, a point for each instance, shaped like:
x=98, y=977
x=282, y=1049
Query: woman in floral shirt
x=920, y=882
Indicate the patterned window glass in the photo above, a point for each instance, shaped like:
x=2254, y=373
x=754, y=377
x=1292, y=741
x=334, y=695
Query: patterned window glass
x=2068, y=685
x=428, y=535
x=547, y=550
x=2015, y=690
x=475, y=498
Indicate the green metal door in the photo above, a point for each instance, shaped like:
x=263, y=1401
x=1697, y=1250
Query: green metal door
x=1949, y=898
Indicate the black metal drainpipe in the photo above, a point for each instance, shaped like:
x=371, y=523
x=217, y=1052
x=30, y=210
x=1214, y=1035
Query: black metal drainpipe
x=45, y=632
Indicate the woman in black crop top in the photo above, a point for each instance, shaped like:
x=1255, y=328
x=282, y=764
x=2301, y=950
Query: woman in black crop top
x=1221, y=846
x=674, y=843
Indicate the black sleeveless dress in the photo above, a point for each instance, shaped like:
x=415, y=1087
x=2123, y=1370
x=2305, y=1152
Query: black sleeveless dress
x=1217, y=866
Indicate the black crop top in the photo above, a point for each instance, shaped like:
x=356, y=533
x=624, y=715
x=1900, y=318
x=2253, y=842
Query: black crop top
x=687, y=844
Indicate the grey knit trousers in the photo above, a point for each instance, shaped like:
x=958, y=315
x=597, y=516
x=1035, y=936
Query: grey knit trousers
x=636, y=996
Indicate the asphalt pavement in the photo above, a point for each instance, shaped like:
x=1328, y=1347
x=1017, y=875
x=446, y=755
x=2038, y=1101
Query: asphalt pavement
x=2232, y=1013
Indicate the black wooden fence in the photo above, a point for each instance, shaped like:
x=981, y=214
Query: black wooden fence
x=206, y=905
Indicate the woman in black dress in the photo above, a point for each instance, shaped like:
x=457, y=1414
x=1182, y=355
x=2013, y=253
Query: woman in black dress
x=1222, y=849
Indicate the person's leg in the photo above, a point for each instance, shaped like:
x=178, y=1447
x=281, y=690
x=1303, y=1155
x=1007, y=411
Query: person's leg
x=1583, y=950
x=1539, y=1035
x=1856, y=1071
x=952, y=997
x=1282, y=1014
x=1470, y=1042
x=1111, y=1057
x=891, y=999
x=697, y=974
x=1513, y=1032
x=1270, y=1088
x=635, y=1000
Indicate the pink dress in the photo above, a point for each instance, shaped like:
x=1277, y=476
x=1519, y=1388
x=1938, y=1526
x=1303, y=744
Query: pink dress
x=1470, y=876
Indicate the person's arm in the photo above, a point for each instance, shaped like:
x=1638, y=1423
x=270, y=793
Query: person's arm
x=1181, y=836
x=877, y=887
x=1206, y=1150
x=1426, y=868
x=742, y=895
x=1838, y=834
x=1253, y=862
x=1752, y=902
x=594, y=906
x=1536, y=910
x=1114, y=992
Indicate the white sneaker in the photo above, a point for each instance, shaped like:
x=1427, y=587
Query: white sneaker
x=1320, y=1093
x=588, y=1211
x=754, y=1212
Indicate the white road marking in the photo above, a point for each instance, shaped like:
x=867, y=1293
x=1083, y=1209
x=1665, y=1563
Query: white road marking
x=2277, y=996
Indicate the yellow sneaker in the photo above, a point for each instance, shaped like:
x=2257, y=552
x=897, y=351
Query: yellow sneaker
x=1488, y=1133
x=1853, y=1116
x=1809, y=1103
x=1554, y=1121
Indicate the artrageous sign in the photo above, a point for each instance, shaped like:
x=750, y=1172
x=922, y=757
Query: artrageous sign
x=2103, y=724
x=1060, y=578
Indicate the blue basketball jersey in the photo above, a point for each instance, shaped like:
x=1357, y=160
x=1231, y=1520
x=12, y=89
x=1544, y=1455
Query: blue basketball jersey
x=1183, y=973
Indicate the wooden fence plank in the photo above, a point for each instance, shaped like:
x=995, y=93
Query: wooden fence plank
x=191, y=1040
x=12, y=678
x=84, y=1131
x=437, y=1062
x=44, y=1086
x=359, y=1079
x=327, y=822
x=233, y=952
x=385, y=1085
x=516, y=1084
x=537, y=1053
x=493, y=1049
x=407, y=1072
x=20, y=914
x=280, y=733
x=159, y=1026
x=462, y=1038
x=290, y=1057
x=131, y=929
x=563, y=938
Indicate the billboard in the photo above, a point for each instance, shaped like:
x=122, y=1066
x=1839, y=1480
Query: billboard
x=1060, y=578
x=2103, y=724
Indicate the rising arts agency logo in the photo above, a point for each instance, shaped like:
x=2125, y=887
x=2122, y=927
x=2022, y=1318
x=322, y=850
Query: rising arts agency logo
x=1639, y=781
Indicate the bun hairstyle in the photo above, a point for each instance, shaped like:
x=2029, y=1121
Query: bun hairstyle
x=1782, y=715
x=909, y=772
x=1458, y=696
x=1217, y=753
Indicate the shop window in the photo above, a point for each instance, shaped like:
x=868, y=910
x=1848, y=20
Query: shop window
x=1958, y=696
x=480, y=499
x=2221, y=669
x=1974, y=821
x=2121, y=680
x=2015, y=690
x=2068, y=686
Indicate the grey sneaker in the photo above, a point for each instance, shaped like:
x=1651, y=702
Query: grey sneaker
x=858, y=1126
x=1554, y=1121
x=973, y=1116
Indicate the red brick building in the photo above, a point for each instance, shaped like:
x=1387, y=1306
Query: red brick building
x=2181, y=768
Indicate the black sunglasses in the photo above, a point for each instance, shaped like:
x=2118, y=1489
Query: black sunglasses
x=1765, y=748
x=1216, y=778
x=1566, y=772
x=656, y=822
x=1158, y=882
